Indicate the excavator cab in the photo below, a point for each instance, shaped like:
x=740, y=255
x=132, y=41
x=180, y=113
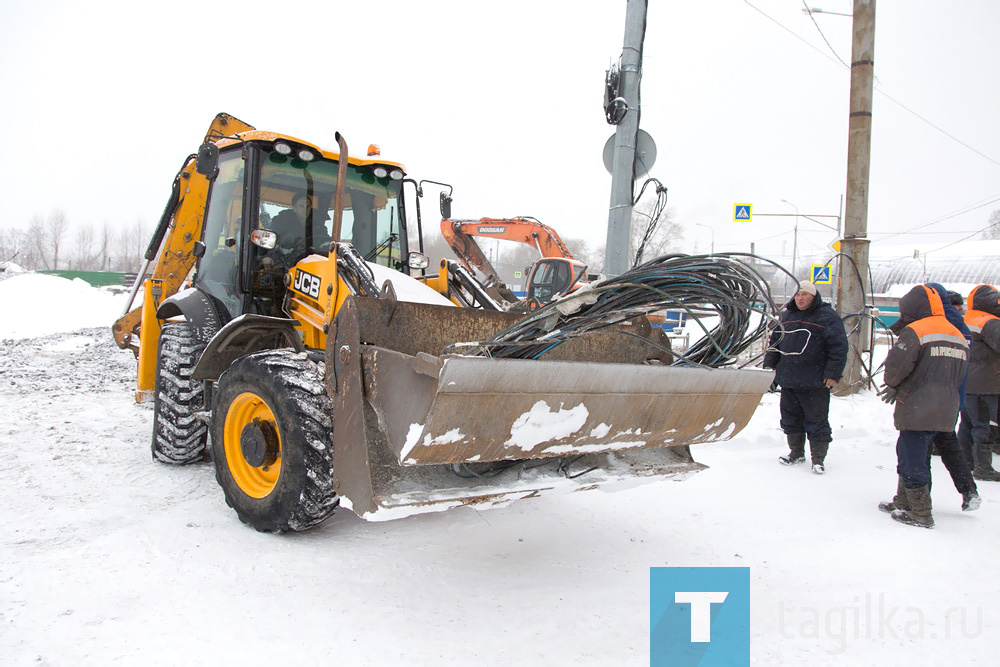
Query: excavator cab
x=552, y=277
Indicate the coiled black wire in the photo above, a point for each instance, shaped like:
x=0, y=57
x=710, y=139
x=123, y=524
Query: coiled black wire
x=724, y=285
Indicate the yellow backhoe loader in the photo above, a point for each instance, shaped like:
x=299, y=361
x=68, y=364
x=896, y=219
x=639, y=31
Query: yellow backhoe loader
x=280, y=330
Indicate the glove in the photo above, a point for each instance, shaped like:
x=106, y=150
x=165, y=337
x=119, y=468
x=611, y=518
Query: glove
x=888, y=395
x=774, y=387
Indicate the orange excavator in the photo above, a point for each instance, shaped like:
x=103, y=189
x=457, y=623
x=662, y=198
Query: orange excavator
x=555, y=274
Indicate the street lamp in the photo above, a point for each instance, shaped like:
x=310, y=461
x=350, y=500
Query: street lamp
x=817, y=10
x=712, y=247
x=795, y=237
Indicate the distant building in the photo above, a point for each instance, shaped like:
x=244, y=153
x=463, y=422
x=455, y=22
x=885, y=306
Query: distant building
x=959, y=267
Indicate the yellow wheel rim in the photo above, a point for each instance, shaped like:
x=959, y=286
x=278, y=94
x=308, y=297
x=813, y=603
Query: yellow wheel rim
x=256, y=482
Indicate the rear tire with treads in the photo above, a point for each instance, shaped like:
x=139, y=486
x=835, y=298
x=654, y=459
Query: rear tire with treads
x=271, y=425
x=179, y=437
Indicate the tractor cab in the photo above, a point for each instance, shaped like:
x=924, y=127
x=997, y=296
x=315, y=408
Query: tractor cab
x=288, y=190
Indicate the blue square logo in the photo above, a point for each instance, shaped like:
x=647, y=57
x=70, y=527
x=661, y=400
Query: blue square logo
x=699, y=616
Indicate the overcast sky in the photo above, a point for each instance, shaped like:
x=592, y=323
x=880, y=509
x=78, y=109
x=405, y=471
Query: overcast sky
x=746, y=103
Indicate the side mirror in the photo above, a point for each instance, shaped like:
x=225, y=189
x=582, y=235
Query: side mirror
x=445, y=205
x=418, y=260
x=207, y=163
x=263, y=238
x=199, y=249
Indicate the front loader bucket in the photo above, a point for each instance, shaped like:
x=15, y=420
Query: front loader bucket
x=413, y=428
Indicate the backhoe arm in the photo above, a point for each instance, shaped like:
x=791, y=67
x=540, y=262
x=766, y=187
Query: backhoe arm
x=173, y=240
x=460, y=236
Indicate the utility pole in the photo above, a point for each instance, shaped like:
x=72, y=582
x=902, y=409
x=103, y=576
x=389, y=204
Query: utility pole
x=616, y=256
x=852, y=287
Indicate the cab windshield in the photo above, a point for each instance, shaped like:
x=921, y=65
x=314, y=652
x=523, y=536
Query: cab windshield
x=296, y=201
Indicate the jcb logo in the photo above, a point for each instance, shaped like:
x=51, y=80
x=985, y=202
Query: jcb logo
x=492, y=230
x=307, y=283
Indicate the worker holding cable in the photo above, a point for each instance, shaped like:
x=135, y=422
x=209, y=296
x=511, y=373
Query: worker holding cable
x=808, y=351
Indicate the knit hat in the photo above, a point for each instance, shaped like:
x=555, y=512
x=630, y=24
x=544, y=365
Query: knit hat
x=807, y=287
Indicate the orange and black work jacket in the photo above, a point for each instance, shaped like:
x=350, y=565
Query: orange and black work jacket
x=984, y=325
x=926, y=365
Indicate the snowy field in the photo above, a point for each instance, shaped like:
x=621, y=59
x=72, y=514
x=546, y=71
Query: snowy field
x=110, y=558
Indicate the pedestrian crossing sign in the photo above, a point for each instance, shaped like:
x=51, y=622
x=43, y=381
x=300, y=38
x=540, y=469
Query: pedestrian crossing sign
x=822, y=274
x=742, y=212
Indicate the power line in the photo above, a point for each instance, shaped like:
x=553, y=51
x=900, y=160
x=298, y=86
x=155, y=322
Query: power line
x=960, y=240
x=942, y=131
x=790, y=31
x=818, y=29
x=877, y=89
x=953, y=214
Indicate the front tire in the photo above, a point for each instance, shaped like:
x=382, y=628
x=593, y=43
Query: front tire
x=179, y=437
x=271, y=424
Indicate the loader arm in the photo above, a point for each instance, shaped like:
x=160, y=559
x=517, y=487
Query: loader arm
x=180, y=227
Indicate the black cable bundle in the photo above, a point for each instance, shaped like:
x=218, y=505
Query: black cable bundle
x=702, y=285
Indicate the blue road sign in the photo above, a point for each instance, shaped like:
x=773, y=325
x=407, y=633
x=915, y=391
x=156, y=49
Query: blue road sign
x=742, y=212
x=822, y=274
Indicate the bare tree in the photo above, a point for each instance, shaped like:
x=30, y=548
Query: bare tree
x=55, y=232
x=8, y=246
x=83, y=256
x=591, y=254
x=16, y=246
x=131, y=242
x=104, y=247
x=993, y=231
x=39, y=240
x=665, y=235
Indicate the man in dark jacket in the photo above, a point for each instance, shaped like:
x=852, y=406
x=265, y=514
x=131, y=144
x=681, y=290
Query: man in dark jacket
x=946, y=442
x=923, y=372
x=300, y=229
x=808, y=351
x=984, y=381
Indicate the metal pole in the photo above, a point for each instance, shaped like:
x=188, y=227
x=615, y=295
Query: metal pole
x=711, y=247
x=795, y=240
x=853, y=285
x=616, y=255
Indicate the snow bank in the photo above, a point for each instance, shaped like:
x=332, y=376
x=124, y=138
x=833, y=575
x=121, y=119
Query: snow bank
x=407, y=288
x=35, y=304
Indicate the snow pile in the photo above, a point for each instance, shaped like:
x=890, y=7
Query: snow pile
x=34, y=304
x=8, y=269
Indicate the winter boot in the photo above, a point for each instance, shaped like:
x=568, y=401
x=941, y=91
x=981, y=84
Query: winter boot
x=897, y=503
x=983, y=467
x=971, y=501
x=817, y=451
x=919, y=513
x=796, y=450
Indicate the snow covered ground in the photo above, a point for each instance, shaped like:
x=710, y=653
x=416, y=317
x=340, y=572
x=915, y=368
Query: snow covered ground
x=109, y=557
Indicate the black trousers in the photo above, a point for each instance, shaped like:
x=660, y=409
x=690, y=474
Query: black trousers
x=954, y=459
x=806, y=411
